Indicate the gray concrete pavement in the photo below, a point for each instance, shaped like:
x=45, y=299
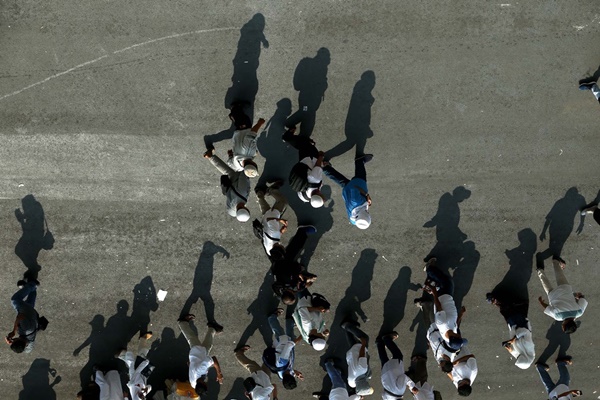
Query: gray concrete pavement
x=104, y=106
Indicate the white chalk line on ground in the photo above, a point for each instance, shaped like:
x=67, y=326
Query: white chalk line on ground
x=68, y=71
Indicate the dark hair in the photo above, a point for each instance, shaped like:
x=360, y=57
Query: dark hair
x=201, y=386
x=18, y=345
x=569, y=326
x=464, y=390
x=446, y=365
x=289, y=382
x=288, y=296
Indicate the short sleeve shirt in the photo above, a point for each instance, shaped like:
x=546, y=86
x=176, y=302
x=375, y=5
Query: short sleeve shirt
x=342, y=394
x=357, y=366
x=445, y=319
x=393, y=379
x=564, y=305
x=315, y=176
x=200, y=362
x=464, y=370
x=263, y=388
x=238, y=192
x=243, y=147
x=436, y=342
x=271, y=229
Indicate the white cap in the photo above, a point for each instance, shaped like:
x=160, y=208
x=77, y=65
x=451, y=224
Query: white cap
x=316, y=200
x=250, y=170
x=318, y=344
x=242, y=214
x=363, y=219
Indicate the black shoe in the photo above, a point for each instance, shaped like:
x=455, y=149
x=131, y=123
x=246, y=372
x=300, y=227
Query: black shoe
x=21, y=283
x=365, y=158
x=217, y=327
x=186, y=317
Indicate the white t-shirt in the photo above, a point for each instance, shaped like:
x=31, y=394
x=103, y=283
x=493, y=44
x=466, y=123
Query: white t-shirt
x=308, y=320
x=342, y=394
x=464, y=370
x=200, y=362
x=394, y=379
x=263, y=388
x=425, y=391
x=523, y=348
x=357, y=366
x=564, y=305
x=315, y=175
x=243, y=147
x=445, y=319
x=436, y=343
x=137, y=381
x=271, y=229
x=562, y=388
x=110, y=385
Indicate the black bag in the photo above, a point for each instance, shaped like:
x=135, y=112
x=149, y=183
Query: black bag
x=42, y=323
x=299, y=177
x=257, y=228
x=249, y=384
x=225, y=183
x=48, y=240
x=318, y=300
x=270, y=360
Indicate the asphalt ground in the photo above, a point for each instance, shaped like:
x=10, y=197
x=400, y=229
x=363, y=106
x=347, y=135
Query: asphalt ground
x=105, y=107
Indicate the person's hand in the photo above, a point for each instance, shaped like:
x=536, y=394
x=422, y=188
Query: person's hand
x=283, y=229
x=326, y=332
x=220, y=378
x=579, y=295
x=369, y=201
x=8, y=340
x=283, y=222
x=414, y=390
x=299, y=375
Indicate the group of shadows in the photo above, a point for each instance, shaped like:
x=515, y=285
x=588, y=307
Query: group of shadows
x=455, y=253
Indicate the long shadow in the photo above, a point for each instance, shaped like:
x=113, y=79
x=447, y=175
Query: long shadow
x=464, y=273
x=32, y=241
x=266, y=302
x=144, y=301
x=169, y=355
x=350, y=307
x=560, y=222
x=421, y=324
x=36, y=382
x=591, y=78
x=244, y=81
x=395, y=301
x=237, y=390
x=358, y=120
x=203, y=277
x=310, y=80
x=279, y=160
x=557, y=340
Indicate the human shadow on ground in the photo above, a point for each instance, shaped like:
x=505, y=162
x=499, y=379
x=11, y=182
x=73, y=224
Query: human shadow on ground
x=34, y=238
x=557, y=340
x=279, y=160
x=395, y=301
x=350, y=308
x=591, y=78
x=244, y=81
x=169, y=355
x=237, y=390
x=36, y=382
x=144, y=301
x=560, y=222
x=203, y=277
x=464, y=272
x=358, y=120
x=265, y=303
x=310, y=80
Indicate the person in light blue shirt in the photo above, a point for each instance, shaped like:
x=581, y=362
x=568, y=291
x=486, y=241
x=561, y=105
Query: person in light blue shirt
x=354, y=191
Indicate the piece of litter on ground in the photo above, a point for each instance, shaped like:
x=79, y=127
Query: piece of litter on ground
x=161, y=295
x=161, y=220
x=21, y=184
x=561, y=151
x=577, y=261
x=384, y=258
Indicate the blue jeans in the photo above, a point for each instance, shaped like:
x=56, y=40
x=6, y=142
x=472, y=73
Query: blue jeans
x=441, y=279
x=278, y=330
x=564, y=377
x=336, y=377
x=26, y=295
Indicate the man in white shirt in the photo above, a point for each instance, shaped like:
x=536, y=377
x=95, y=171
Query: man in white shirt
x=464, y=371
x=393, y=377
x=137, y=384
x=309, y=319
x=313, y=160
x=258, y=386
x=199, y=359
x=559, y=390
x=563, y=304
x=357, y=358
x=273, y=225
x=338, y=389
x=110, y=385
x=243, y=150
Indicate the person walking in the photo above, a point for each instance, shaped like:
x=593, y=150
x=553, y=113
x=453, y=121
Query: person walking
x=199, y=359
x=306, y=176
x=563, y=304
x=464, y=371
x=273, y=226
x=243, y=143
x=22, y=337
x=559, y=390
x=258, y=385
x=235, y=185
x=338, y=385
x=393, y=378
x=308, y=317
x=354, y=191
x=357, y=358
x=138, y=376
x=592, y=87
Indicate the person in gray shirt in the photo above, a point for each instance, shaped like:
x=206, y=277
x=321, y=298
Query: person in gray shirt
x=22, y=337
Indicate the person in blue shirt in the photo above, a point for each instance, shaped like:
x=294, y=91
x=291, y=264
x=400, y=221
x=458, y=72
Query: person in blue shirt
x=354, y=191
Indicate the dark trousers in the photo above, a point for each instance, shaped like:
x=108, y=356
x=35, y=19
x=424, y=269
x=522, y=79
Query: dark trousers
x=354, y=334
x=387, y=342
x=444, y=281
x=295, y=246
x=303, y=144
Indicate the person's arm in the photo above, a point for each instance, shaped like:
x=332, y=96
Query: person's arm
x=436, y=299
x=274, y=391
x=542, y=302
x=583, y=303
x=258, y=125
x=299, y=374
x=12, y=334
x=218, y=369
x=463, y=358
x=463, y=309
x=363, y=348
x=412, y=386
